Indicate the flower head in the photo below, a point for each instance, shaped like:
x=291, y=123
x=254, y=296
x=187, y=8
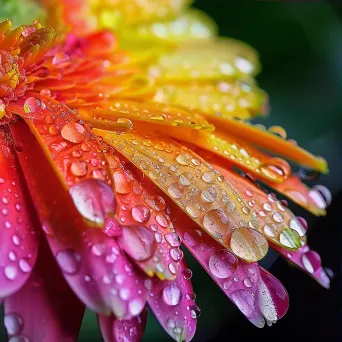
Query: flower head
x=111, y=159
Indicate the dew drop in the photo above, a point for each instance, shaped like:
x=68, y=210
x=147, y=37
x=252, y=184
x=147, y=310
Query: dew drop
x=135, y=306
x=289, y=238
x=74, y=132
x=10, y=272
x=248, y=282
x=79, y=168
x=297, y=225
x=222, y=264
x=94, y=199
x=172, y=295
x=209, y=176
x=173, y=239
x=311, y=261
x=69, y=261
x=98, y=249
x=32, y=105
x=187, y=274
x=176, y=190
x=216, y=222
x=183, y=159
x=24, y=265
x=13, y=323
x=209, y=195
x=176, y=254
x=195, y=312
x=141, y=213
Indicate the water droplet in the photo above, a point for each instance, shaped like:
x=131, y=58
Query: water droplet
x=156, y=203
x=69, y=261
x=172, y=295
x=195, y=312
x=139, y=242
x=176, y=190
x=16, y=240
x=216, y=222
x=94, y=199
x=321, y=196
x=13, y=323
x=187, y=274
x=10, y=272
x=244, y=301
x=222, y=264
x=79, y=168
x=248, y=282
x=122, y=183
x=183, y=159
x=176, y=254
x=173, y=239
x=124, y=293
x=74, y=132
x=280, y=131
x=311, y=261
x=267, y=206
x=19, y=338
x=32, y=105
x=209, y=176
x=99, y=249
x=209, y=195
x=135, y=306
x=60, y=58
x=289, y=238
x=172, y=268
x=277, y=217
x=268, y=231
x=297, y=225
x=141, y=213
x=24, y=265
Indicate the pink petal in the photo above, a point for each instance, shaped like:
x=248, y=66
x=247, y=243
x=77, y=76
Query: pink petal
x=45, y=309
x=19, y=238
x=257, y=294
x=307, y=260
x=173, y=304
x=92, y=262
x=130, y=330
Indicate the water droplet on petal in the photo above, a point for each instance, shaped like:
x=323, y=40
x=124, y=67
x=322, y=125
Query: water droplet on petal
x=79, y=168
x=69, y=261
x=135, y=306
x=60, y=58
x=311, y=261
x=10, y=272
x=139, y=242
x=24, y=265
x=32, y=105
x=172, y=295
x=290, y=238
x=222, y=264
x=141, y=213
x=216, y=222
x=195, y=312
x=74, y=132
x=13, y=323
x=244, y=301
x=94, y=199
x=187, y=274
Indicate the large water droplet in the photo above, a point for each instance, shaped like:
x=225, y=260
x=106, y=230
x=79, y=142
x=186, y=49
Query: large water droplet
x=289, y=238
x=139, y=242
x=321, y=196
x=32, y=105
x=135, y=306
x=311, y=261
x=297, y=225
x=176, y=190
x=173, y=239
x=141, y=213
x=60, y=58
x=10, y=272
x=94, y=199
x=69, y=261
x=172, y=295
x=216, y=222
x=79, y=168
x=222, y=264
x=13, y=323
x=74, y=132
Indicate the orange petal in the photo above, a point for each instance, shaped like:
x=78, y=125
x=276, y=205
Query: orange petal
x=148, y=234
x=278, y=223
x=267, y=140
x=294, y=189
x=209, y=199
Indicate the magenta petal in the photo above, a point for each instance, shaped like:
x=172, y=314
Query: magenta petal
x=101, y=275
x=44, y=309
x=172, y=301
x=257, y=294
x=19, y=238
x=307, y=260
x=127, y=330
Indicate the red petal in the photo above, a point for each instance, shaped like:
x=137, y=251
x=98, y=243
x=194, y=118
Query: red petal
x=92, y=262
x=19, y=239
x=45, y=306
x=173, y=304
x=130, y=330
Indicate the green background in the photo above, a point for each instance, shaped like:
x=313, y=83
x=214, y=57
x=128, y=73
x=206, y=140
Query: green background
x=300, y=46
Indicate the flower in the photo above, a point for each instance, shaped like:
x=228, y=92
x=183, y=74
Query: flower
x=100, y=177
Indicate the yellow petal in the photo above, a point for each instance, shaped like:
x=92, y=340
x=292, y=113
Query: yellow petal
x=204, y=195
x=235, y=98
x=206, y=60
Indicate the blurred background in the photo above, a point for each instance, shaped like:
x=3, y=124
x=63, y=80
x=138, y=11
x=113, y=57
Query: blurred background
x=300, y=46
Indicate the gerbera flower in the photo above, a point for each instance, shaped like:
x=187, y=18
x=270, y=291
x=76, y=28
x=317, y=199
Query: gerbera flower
x=114, y=182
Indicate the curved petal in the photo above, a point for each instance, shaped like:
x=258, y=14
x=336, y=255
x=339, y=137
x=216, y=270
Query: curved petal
x=265, y=139
x=148, y=235
x=19, y=235
x=206, y=196
x=307, y=260
x=91, y=262
x=45, y=306
x=278, y=223
x=256, y=293
x=68, y=144
x=173, y=304
x=114, y=330
x=310, y=199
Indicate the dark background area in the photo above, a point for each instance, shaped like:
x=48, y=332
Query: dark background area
x=300, y=46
